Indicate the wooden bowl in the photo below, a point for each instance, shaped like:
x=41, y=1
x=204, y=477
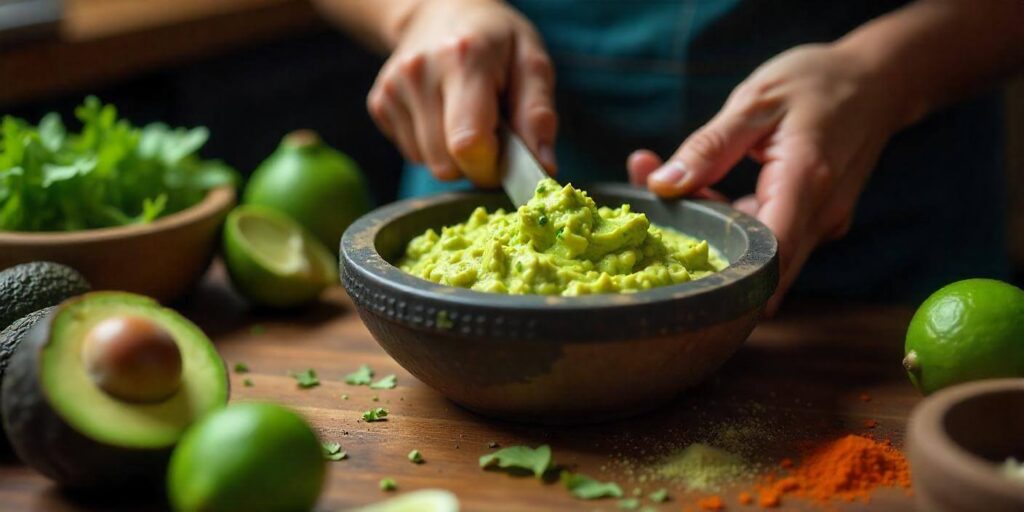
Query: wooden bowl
x=555, y=359
x=958, y=438
x=162, y=259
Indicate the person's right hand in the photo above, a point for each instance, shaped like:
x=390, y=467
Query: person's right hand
x=437, y=96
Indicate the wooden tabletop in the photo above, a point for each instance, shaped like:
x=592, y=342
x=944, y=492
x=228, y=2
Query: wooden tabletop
x=815, y=373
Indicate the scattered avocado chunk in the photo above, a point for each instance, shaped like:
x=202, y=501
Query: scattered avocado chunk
x=32, y=286
x=388, y=484
x=67, y=406
x=416, y=457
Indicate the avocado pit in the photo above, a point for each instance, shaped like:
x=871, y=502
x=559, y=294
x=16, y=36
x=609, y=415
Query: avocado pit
x=132, y=359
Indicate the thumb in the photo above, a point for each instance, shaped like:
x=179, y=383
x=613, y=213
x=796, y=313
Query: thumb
x=709, y=153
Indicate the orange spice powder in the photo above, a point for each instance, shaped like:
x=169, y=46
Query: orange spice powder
x=711, y=503
x=849, y=469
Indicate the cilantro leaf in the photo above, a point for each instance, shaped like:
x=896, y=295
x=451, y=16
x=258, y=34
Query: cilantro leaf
x=586, y=488
x=536, y=460
x=388, y=484
x=241, y=367
x=659, y=496
x=307, y=379
x=415, y=457
x=377, y=414
x=247, y=382
x=360, y=377
x=387, y=382
x=110, y=173
x=629, y=504
x=333, y=451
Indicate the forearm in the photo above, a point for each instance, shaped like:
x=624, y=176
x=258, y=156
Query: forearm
x=377, y=23
x=933, y=52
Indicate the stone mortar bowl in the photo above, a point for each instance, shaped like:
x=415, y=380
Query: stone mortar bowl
x=553, y=359
x=958, y=438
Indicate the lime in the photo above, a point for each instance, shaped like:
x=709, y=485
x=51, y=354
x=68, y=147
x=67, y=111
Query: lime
x=427, y=500
x=273, y=260
x=319, y=187
x=968, y=330
x=253, y=457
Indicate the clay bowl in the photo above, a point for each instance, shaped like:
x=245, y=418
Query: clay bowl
x=549, y=359
x=958, y=438
x=162, y=259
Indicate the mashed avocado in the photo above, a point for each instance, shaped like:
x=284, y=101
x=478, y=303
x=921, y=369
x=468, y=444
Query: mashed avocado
x=560, y=243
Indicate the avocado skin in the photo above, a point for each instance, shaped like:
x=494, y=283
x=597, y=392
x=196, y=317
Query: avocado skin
x=44, y=441
x=10, y=338
x=31, y=286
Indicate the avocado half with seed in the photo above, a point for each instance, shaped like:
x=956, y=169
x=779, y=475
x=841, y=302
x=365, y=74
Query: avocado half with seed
x=101, y=389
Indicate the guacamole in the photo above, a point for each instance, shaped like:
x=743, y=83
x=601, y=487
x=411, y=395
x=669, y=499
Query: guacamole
x=560, y=243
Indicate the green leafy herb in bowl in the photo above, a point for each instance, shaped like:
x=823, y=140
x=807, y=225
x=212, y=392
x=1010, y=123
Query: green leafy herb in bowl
x=110, y=173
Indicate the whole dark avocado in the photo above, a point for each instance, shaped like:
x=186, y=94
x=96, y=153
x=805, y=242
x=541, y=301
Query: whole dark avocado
x=79, y=401
x=32, y=286
x=10, y=338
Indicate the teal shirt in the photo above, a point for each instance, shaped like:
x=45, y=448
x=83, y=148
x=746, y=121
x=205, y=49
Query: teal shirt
x=645, y=73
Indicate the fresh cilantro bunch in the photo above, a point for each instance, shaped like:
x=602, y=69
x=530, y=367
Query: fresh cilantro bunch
x=109, y=174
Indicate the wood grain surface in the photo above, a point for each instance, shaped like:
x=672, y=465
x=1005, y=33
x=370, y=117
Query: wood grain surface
x=802, y=377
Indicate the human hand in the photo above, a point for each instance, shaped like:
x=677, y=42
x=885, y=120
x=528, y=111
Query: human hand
x=816, y=118
x=437, y=96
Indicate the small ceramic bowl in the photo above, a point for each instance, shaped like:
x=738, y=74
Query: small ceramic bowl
x=559, y=359
x=957, y=440
x=162, y=259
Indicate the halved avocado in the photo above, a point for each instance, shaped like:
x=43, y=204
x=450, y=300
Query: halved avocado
x=80, y=403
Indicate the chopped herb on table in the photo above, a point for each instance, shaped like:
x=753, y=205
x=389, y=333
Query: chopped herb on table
x=344, y=397
x=333, y=451
x=387, y=382
x=241, y=367
x=629, y=504
x=415, y=457
x=535, y=460
x=360, y=377
x=378, y=414
x=247, y=382
x=586, y=488
x=306, y=379
x=388, y=484
x=375, y=398
x=659, y=496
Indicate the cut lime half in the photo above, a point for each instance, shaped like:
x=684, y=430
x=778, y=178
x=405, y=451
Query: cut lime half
x=427, y=500
x=273, y=260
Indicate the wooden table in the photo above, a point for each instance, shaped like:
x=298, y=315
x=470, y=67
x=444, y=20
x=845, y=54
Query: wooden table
x=800, y=377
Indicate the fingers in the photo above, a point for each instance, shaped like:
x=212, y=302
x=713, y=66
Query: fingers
x=710, y=152
x=790, y=191
x=470, y=119
x=640, y=164
x=531, y=100
x=394, y=121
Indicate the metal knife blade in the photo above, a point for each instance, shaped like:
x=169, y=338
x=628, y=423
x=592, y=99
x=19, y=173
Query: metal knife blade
x=519, y=170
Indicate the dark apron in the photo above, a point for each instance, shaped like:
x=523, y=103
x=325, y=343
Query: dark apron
x=644, y=74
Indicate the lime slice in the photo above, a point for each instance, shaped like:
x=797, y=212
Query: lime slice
x=273, y=260
x=426, y=500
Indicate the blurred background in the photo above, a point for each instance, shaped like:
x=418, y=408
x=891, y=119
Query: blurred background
x=250, y=71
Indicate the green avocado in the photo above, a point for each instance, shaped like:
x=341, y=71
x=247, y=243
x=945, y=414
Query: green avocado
x=102, y=388
x=10, y=338
x=31, y=286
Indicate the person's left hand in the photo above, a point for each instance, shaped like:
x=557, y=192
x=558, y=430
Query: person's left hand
x=817, y=119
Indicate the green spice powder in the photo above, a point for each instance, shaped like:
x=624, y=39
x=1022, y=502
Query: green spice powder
x=703, y=467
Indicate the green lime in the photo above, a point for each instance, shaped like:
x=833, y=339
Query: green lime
x=253, y=457
x=427, y=500
x=969, y=330
x=319, y=187
x=273, y=260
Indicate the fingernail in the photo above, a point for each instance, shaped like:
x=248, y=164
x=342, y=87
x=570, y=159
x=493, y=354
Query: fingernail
x=546, y=153
x=672, y=173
